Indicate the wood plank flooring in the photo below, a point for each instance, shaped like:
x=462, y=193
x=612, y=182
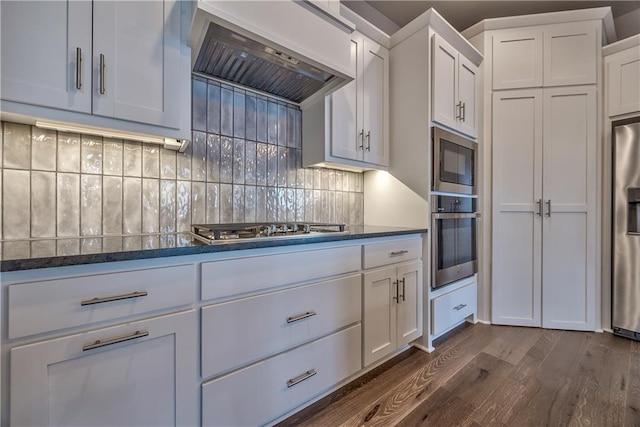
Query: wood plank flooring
x=486, y=375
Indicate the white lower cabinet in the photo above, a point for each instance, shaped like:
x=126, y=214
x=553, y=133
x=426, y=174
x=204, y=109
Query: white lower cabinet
x=392, y=304
x=136, y=374
x=450, y=309
x=261, y=392
x=257, y=327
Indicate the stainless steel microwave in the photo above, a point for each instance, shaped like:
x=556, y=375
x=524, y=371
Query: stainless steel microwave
x=454, y=163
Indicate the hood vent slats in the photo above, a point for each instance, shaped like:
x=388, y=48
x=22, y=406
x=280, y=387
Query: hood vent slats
x=229, y=56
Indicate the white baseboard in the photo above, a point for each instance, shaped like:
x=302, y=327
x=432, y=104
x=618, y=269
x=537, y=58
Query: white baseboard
x=423, y=348
x=484, y=322
x=607, y=330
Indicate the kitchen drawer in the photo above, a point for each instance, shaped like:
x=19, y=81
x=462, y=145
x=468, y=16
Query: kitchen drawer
x=243, y=331
x=251, y=274
x=49, y=305
x=450, y=309
x=262, y=392
x=392, y=252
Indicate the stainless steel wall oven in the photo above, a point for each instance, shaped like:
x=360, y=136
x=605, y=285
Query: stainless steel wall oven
x=454, y=163
x=454, y=239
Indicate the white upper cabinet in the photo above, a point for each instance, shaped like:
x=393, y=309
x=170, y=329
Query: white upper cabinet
x=351, y=128
x=136, y=52
x=119, y=64
x=551, y=55
x=48, y=59
x=622, y=77
x=454, y=88
x=517, y=59
x=570, y=52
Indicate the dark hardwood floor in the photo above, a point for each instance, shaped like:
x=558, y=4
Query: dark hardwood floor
x=484, y=375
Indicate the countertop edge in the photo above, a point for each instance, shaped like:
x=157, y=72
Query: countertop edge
x=97, y=258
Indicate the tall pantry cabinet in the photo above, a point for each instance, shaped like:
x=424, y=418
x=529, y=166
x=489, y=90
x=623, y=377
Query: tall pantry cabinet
x=542, y=123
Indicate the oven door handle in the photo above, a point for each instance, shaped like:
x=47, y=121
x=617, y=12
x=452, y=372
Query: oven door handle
x=455, y=215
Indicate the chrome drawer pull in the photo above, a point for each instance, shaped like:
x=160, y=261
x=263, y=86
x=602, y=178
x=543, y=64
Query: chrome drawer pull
x=104, y=343
x=300, y=378
x=301, y=316
x=402, y=252
x=98, y=300
x=459, y=307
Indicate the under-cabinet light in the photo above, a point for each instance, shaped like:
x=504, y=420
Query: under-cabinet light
x=168, y=143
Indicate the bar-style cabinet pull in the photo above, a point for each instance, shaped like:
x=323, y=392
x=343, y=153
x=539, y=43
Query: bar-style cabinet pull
x=100, y=300
x=459, y=307
x=102, y=66
x=539, y=203
x=78, y=68
x=361, y=135
x=111, y=341
x=459, y=110
x=299, y=317
x=403, y=288
x=548, y=207
x=300, y=378
x=397, y=297
x=368, y=140
x=398, y=253
x=463, y=111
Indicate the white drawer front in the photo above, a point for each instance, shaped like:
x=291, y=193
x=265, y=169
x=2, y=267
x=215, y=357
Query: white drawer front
x=260, y=393
x=385, y=253
x=243, y=331
x=243, y=275
x=451, y=308
x=49, y=305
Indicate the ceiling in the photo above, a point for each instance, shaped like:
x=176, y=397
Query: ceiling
x=392, y=14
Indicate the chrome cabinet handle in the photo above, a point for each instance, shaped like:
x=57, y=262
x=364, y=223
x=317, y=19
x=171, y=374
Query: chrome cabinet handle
x=100, y=300
x=463, y=112
x=293, y=319
x=548, y=207
x=459, y=110
x=78, y=68
x=459, y=307
x=397, y=297
x=300, y=378
x=539, y=203
x=104, y=343
x=403, y=289
x=102, y=65
x=361, y=135
x=396, y=253
x=369, y=140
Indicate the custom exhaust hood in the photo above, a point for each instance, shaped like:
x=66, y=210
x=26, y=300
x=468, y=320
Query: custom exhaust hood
x=290, y=49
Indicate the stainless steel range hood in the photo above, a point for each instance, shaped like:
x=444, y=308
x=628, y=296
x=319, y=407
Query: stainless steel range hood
x=275, y=47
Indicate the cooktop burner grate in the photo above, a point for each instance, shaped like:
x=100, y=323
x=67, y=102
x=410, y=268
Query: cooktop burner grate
x=211, y=233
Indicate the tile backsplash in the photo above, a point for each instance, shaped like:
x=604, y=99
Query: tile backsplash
x=243, y=165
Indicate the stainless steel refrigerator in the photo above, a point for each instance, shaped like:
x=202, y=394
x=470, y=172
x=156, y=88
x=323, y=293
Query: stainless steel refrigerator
x=626, y=229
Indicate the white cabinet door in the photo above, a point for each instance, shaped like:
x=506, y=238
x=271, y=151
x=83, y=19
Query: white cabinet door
x=517, y=186
x=127, y=379
x=347, y=132
x=623, y=82
x=570, y=54
x=409, y=310
x=445, y=68
x=41, y=44
x=467, y=96
x=379, y=315
x=374, y=102
x=517, y=59
x=569, y=228
x=136, y=57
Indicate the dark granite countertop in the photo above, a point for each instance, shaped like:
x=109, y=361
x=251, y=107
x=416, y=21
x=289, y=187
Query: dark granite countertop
x=43, y=253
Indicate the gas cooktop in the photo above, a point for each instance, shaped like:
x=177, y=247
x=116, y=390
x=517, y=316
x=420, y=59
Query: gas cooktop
x=215, y=233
